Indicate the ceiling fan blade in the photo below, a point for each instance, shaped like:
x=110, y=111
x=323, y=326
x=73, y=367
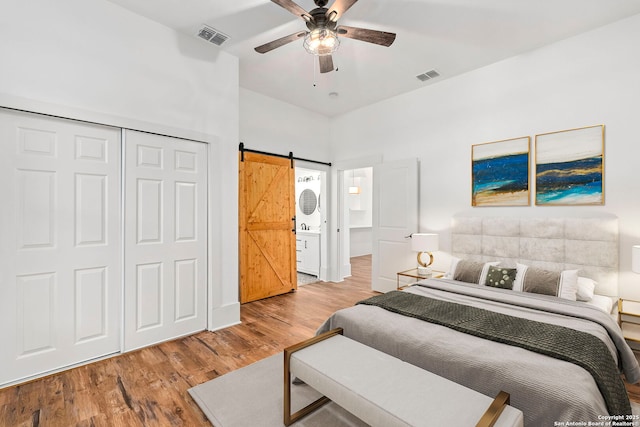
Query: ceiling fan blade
x=382, y=38
x=326, y=63
x=294, y=8
x=280, y=42
x=340, y=7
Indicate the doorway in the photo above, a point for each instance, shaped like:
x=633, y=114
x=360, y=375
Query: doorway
x=358, y=216
x=394, y=218
x=311, y=224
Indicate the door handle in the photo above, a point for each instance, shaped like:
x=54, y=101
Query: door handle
x=294, y=224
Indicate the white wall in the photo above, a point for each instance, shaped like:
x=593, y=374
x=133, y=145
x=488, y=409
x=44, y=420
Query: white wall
x=586, y=80
x=267, y=124
x=95, y=61
x=360, y=241
x=98, y=62
x=361, y=204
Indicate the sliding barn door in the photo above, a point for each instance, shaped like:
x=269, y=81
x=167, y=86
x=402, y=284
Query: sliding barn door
x=165, y=264
x=267, y=228
x=60, y=264
x=395, y=217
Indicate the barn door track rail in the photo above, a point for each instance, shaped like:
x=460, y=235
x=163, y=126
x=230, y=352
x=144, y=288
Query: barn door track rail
x=289, y=156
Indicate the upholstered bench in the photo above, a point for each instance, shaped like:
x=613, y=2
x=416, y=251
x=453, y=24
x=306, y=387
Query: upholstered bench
x=382, y=390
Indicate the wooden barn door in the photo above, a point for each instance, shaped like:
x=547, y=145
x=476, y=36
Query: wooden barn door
x=267, y=228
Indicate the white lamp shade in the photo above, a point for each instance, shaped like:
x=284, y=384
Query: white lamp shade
x=425, y=242
x=635, y=259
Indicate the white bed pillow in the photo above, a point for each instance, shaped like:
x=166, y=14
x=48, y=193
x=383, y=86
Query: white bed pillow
x=586, y=287
x=569, y=284
x=536, y=280
x=452, y=268
x=602, y=302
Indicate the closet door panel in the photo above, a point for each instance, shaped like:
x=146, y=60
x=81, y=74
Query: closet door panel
x=60, y=264
x=91, y=209
x=165, y=238
x=91, y=303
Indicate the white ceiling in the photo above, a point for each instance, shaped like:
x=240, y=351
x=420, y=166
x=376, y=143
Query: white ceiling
x=450, y=36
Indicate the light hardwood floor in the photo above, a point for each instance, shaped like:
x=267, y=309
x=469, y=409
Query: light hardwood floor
x=149, y=387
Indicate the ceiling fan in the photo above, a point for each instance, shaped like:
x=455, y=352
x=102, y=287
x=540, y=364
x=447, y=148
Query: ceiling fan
x=321, y=39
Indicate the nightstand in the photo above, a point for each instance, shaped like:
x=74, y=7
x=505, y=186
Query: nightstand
x=413, y=274
x=629, y=311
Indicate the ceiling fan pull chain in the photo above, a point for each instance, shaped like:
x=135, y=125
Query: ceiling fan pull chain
x=313, y=65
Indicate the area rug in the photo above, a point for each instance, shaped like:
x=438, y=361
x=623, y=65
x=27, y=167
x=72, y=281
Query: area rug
x=252, y=396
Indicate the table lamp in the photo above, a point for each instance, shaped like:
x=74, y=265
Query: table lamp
x=424, y=243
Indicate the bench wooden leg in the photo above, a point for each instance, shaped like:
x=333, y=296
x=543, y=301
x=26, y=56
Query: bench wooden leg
x=492, y=414
x=290, y=418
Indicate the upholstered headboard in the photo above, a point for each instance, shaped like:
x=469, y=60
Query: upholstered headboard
x=587, y=244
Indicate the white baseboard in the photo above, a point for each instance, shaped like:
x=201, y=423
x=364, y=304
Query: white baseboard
x=346, y=269
x=225, y=316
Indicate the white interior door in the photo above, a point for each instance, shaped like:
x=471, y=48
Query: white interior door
x=165, y=238
x=395, y=217
x=60, y=265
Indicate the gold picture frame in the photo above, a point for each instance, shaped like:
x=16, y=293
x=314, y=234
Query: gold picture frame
x=569, y=167
x=500, y=172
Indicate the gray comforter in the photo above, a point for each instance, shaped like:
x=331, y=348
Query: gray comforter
x=545, y=389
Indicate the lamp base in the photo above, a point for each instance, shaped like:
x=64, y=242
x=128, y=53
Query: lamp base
x=424, y=271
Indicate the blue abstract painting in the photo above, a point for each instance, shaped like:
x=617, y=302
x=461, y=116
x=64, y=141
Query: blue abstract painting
x=500, y=173
x=570, y=167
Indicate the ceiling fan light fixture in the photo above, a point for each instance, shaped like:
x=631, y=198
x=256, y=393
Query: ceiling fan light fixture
x=321, y=41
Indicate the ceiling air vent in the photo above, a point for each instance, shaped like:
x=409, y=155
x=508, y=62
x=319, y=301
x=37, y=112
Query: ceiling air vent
x=432, y=74
x=212, y=35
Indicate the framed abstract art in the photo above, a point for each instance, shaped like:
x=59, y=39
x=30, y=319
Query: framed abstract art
x=500, y=173
x=570, y=167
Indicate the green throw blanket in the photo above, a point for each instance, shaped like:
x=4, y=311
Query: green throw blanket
x=580, y=348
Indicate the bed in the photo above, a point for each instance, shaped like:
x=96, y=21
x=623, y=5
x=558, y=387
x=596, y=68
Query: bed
x=547, y=385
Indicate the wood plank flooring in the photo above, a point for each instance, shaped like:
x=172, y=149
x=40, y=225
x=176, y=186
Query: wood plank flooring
x=149, y=387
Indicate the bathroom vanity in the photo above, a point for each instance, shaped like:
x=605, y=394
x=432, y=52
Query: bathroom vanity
x=308, y=251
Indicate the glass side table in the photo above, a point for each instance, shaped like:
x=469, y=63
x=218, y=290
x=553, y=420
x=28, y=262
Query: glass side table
x=413, y=274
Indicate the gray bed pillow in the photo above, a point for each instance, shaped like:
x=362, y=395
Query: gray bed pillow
x=563, y=284
x=539, y=281
x=468, y=271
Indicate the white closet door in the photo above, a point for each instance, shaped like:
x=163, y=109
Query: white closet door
x=60, y=265
x=165, y=238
